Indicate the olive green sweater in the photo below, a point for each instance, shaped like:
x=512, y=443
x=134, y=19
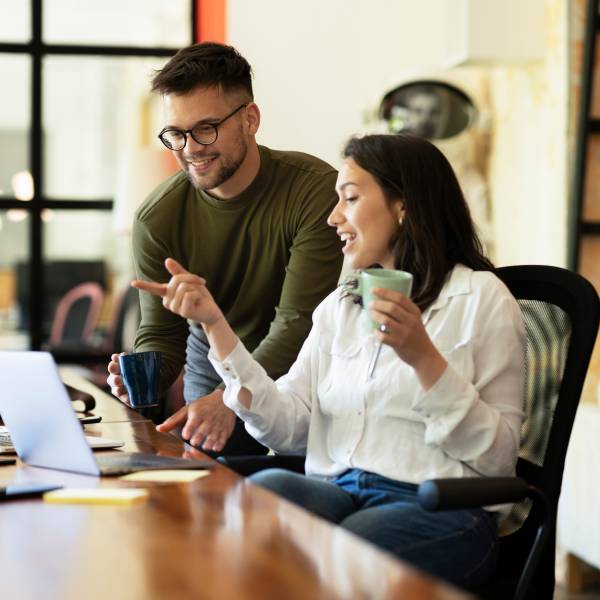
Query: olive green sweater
x=268, y=257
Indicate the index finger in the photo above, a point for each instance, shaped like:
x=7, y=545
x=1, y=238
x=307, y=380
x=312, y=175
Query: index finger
x=175, y=419
x=156, y=289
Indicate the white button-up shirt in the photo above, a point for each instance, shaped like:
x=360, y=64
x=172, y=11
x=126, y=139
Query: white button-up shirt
x=467, y=425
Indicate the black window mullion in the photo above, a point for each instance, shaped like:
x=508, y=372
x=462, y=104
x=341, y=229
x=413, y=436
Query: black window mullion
x=77, y=50
x=36, y=270
x=194, y=23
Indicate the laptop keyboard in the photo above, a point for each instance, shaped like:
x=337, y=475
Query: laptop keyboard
x=5, y=441
x=129, y=463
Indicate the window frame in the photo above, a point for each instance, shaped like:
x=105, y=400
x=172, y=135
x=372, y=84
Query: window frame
x=36, y=49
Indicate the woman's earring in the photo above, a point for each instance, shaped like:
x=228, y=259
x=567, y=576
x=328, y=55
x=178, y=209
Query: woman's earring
x=400, y=220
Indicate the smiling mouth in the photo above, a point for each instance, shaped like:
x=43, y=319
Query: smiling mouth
x=348, y=238
x=201, y=165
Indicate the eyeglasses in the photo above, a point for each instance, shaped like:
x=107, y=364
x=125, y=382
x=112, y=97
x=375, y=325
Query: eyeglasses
x=202, y=133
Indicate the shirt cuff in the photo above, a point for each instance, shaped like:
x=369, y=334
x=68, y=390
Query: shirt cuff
x=238, y=370
x=445, y=404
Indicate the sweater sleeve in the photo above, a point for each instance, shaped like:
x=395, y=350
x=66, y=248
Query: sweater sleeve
x=311, y=273
x=159, y=329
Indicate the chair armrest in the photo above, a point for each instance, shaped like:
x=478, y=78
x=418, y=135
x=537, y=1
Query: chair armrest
x=247, y=465
x=448, y=494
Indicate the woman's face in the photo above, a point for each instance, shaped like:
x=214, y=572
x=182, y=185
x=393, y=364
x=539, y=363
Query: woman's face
x=364, y=219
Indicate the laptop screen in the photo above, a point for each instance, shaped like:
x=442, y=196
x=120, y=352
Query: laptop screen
x=37, y=411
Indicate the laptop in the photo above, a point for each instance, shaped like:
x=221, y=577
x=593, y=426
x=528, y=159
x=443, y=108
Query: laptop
x=45, y=431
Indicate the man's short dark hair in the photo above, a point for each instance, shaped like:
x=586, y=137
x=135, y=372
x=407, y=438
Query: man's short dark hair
x=205, y=64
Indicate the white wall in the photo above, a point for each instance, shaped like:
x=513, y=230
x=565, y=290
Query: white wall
x=529, y=158
x=320, y=65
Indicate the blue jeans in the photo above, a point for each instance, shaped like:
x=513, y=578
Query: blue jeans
x=460, y=546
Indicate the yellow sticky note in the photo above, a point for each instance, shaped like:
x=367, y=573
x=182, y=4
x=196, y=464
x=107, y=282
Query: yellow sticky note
x=97, y=495
x=181, y=475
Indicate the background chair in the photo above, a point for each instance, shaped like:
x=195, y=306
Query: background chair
x=76, y=316
x=561, y=313
x=125, y=317
x=116, y=337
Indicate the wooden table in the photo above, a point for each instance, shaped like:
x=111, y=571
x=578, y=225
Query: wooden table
x=218, y=537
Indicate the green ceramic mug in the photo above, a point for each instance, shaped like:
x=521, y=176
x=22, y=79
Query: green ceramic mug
x=367, y=280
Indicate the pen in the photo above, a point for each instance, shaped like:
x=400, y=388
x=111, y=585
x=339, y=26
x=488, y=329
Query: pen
x=374, y=360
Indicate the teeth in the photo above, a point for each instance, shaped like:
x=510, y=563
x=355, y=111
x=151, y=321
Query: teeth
x=200, y=163
x=347, y=236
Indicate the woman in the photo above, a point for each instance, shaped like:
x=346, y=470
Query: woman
x=446, y=398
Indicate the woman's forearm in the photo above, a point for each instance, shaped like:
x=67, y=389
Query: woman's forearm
x=221, y=337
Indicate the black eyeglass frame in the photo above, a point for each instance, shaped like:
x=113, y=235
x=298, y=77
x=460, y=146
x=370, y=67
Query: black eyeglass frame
x=187, y=132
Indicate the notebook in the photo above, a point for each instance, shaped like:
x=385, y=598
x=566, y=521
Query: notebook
x=45, y=431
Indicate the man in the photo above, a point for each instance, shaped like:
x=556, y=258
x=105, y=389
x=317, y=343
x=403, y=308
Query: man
x=250, y=220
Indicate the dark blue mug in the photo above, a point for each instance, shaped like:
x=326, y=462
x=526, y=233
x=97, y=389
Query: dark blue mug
x=140, y=372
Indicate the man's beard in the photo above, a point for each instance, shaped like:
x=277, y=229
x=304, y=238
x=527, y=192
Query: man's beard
x=226, y=170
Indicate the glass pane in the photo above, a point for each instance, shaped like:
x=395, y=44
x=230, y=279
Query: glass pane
x=589, y=267
x=589, y=259
x=132, y=23
x=14, y=121
x=591, y=204
x=90, y=132
x=80, y=246
x=15, y=20
x=595, y=99
x=14, y=242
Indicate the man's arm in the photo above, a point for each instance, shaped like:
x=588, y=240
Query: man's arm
x=200, y=377
x=312, y=272
x=159, y=329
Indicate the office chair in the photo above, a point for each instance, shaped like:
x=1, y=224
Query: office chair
x=125, y=314
x=76, y=315
x=127, y=307
x=561, y=313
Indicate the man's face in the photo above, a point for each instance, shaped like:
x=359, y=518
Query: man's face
x=208, y=167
